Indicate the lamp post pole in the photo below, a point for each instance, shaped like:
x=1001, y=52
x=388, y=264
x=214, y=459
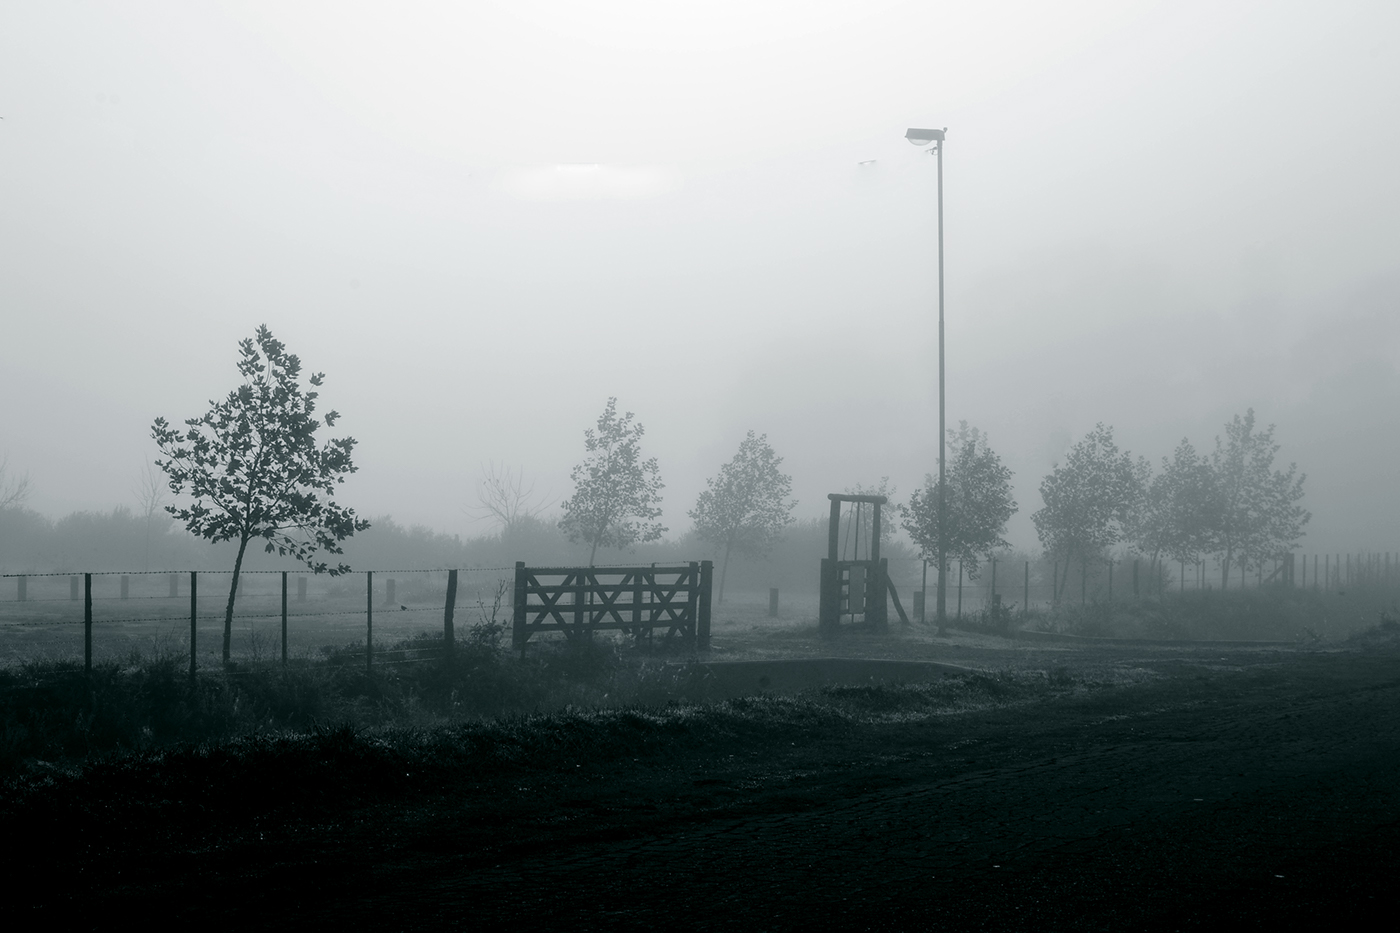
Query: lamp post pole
x=920, y=137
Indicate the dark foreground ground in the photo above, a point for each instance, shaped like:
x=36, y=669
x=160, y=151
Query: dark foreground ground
x=1230, y=789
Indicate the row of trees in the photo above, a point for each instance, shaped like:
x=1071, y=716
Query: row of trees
x=253, y=468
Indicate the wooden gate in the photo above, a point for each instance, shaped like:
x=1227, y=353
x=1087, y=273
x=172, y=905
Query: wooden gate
x=637, y=600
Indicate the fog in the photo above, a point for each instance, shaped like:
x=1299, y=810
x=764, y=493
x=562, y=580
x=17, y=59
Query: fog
x=482, y=220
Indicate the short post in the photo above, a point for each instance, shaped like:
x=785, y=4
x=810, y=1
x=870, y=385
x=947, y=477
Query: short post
x=73, y=588
x=389, y=594
x=448, y=635
x=369, y=621
x=87, y=626
x=194, y=618
x=284, y=618
x=174, y=585
x=301, y=589
x=772, y=602
x=23, y=588
x=517, y=627
x=126, y=587
x=702, y=616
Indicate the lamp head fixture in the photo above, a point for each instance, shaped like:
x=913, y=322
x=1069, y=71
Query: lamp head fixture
x=924, y=137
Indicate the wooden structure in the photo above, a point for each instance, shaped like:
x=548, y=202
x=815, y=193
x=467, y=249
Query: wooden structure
x=856, y=588
x=578, y=601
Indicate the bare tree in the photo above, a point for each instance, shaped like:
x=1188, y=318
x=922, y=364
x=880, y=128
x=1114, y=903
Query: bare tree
x=152, y=493
x=503, y=496
x=13, y=489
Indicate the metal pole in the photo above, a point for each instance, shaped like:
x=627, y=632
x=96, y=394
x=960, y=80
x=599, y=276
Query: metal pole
x=942, y=429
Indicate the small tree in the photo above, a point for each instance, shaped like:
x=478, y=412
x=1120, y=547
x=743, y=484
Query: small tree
x=1089, y=500
x=503, y=496
x=746, y=506
x=978, y=503
x=1179, y=508
x=1258, y=514
x=254, y=469
x=13, y=489
x=617, y=494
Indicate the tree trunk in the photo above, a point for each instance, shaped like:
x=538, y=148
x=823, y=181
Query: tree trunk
x=232, y=592
x=723, y=569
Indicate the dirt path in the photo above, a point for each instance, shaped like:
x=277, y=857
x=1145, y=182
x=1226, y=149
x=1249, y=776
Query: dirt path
x=1254, y=791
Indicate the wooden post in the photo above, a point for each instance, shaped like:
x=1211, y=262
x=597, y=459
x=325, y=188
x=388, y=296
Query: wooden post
x=194, y=618
x=284, y=618
x=126, y=590
x=301, y=589
x=772, y=602
x=449, y=635
x=369, y=621
x=73, y=587
x=923, y=591
x=23, y=588
x=875, y=536
x=87, y=626
x=833, y=535
x=517, y=628
x=829, y=608
x=702, y=617
x=959, y=591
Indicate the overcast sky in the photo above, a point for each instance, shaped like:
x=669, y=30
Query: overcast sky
x=482, y=219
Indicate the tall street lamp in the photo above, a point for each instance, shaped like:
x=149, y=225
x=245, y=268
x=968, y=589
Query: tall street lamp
x=923, y=138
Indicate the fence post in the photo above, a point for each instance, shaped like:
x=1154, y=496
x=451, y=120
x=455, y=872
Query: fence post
x=284, y=618
x=369, y=621
x=194, y=618
x=23, y=588
x=702, y=617
x=449, y=636
x=772, y=602
x=517, y=626
x=87, y=627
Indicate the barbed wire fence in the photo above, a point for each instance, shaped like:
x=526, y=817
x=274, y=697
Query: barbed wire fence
x=278, y=613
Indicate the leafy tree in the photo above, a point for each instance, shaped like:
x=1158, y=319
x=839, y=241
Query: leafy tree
x=254, y=469
x=978, y=502
x=745, y=506
x=617, y=494
x=1176, y=516
x=1258, y=514
x=1089, y=500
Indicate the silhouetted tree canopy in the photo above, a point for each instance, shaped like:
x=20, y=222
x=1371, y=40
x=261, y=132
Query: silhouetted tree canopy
x=253, y=467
